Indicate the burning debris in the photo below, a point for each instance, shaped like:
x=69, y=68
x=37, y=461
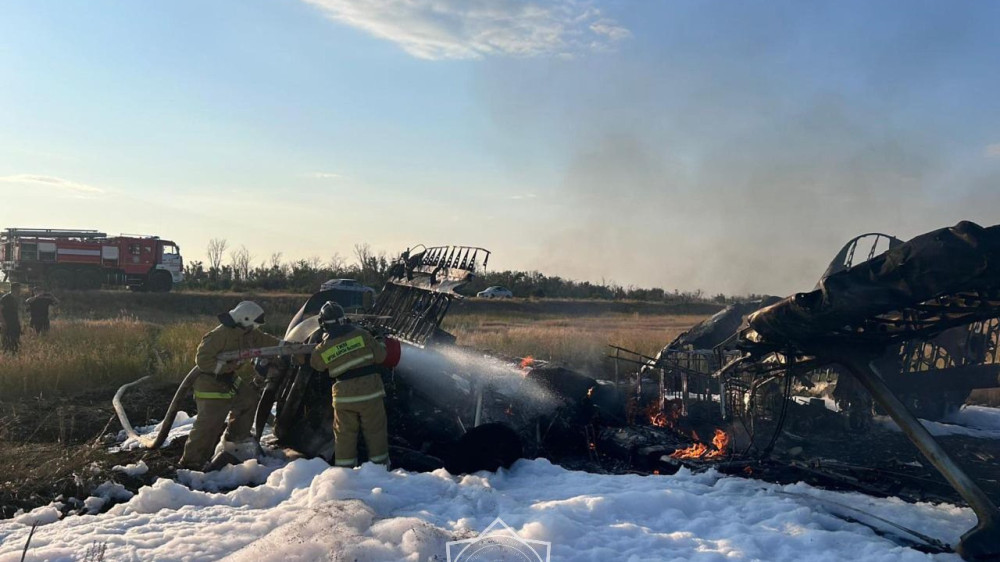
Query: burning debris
x=898, y=331
x=921, y=324
x=701, y=451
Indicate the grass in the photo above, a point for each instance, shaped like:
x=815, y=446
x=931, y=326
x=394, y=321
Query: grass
x=81, y=355
x=580, y=342
x=102, y=339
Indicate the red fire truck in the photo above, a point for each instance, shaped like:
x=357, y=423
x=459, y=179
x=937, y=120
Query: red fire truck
x=88, y=259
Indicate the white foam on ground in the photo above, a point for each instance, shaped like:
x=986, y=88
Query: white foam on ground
x=135, y=469
x=307, y=510
x=981, y=417
x=980, y=422
x=182, y=426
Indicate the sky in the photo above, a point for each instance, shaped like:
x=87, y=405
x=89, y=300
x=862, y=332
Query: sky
x=716, y=145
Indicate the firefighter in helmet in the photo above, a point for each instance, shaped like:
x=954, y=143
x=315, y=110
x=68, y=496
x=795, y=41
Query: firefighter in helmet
x=352, y=356
x=226, y=393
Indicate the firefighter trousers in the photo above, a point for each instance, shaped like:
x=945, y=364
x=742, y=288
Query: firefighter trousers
x=368, y=418
x=220, y=409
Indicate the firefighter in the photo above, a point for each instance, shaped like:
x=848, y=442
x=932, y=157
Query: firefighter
x=352, y=356
x=225, y=389
x=10, y=319
x=38, y=310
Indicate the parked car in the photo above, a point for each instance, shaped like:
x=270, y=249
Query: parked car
x=495, y=292
x=348, y=293
x=345, y=285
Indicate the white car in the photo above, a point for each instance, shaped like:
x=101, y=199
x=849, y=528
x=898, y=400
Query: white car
x=345, y=285
x=495, y=292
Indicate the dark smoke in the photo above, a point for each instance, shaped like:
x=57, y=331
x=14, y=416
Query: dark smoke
x=736, y=146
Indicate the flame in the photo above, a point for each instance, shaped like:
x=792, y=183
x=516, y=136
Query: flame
x=659, y=419
x=527, y=362
x=664, y=417
x=701, y=451
x=720, y=441
x=693, y=452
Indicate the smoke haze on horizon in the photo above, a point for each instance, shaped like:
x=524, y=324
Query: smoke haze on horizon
x=728, y=147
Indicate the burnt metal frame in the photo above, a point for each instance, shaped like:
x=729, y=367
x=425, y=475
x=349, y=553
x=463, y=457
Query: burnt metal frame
x=421, y=287
x=983, y=540
x=856, y=348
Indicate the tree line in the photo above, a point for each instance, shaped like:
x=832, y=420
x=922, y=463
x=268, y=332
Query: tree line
x=237, y=269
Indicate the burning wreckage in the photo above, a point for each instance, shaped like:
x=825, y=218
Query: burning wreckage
x=910, y=330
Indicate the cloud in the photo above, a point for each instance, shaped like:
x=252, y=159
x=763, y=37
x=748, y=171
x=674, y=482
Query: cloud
x=324, y=176
x=992, y=150
x=52, y=181
x=523, y=196
x=473, y=29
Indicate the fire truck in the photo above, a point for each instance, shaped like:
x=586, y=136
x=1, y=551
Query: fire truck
x=88, y=259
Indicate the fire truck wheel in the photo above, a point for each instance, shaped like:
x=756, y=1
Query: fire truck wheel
x=160, y=282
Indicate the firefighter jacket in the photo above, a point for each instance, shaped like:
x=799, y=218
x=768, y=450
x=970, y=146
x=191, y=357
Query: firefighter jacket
x=351, y=356
x=224, y=338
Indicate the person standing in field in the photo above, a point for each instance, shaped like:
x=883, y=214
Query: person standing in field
x=10, y=319
x=224, y=392
x=352, y=356
x=38, y=310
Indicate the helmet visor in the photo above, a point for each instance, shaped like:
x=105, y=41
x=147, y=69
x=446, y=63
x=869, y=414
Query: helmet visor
x=259, y=320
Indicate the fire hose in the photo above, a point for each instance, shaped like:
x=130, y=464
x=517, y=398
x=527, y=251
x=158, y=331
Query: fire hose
x=282, y=349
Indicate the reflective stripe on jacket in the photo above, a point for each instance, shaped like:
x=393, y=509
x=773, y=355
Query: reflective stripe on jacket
x=355, y=348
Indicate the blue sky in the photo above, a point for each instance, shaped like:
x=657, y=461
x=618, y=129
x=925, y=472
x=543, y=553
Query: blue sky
x=727, y=146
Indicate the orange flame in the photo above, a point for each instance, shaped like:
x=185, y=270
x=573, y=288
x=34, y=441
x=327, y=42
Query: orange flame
x=527, y=362
x=664, y=417
x=720, y=441
x=693, y=452
x=701, y=451
x=659, y=419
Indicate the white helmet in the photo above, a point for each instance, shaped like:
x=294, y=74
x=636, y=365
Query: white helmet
x=247, y=314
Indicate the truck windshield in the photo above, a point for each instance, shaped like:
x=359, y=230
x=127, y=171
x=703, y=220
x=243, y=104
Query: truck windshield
x=169, y=249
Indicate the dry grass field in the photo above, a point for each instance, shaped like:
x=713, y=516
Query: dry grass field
x=580, y=342
x=105, y=339
x=81, y=355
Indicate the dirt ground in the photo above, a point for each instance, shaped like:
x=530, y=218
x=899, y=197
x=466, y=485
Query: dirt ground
x=52, y=449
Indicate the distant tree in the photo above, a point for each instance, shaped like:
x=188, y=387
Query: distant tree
x=337, y=262
x=216, y=250
x=240, y=261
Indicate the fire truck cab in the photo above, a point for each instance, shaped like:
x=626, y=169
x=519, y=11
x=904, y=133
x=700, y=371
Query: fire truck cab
x=88, y=259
